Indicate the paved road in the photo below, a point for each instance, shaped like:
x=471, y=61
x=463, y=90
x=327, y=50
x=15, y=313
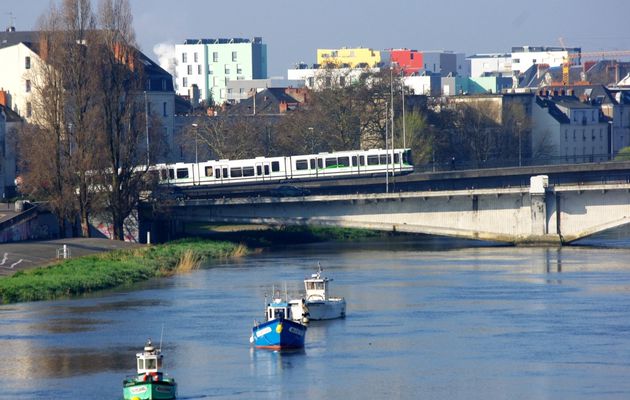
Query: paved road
x=23, y=255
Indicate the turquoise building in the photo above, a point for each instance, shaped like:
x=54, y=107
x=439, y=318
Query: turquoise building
x=205, y=66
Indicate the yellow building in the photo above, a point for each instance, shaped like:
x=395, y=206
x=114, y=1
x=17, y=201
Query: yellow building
x=344, y=57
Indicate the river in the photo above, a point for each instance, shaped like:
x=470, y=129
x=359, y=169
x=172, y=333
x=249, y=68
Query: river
x=431, y=318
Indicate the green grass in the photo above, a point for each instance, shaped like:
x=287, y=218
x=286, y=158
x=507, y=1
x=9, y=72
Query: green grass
x=121, y=267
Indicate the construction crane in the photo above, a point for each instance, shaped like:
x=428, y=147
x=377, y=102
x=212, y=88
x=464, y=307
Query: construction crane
x=566, y=64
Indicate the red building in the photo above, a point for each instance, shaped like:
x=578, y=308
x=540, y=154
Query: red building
x=410, y=61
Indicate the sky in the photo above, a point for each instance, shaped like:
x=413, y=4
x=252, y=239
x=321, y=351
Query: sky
x=294, y=29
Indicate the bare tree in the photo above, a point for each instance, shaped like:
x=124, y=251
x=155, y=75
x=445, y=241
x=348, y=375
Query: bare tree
x=122, y=129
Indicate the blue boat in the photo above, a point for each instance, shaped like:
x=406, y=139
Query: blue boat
x=279, y=331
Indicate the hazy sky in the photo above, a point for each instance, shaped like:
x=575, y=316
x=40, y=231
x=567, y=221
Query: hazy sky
x=294, y=29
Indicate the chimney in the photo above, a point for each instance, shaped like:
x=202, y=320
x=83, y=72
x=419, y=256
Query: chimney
x=3, y=98
x=282, y=107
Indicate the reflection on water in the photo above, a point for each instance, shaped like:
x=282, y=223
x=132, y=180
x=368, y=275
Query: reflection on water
x=433, y=316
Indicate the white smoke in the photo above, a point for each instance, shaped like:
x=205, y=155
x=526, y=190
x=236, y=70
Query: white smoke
x=165, y=53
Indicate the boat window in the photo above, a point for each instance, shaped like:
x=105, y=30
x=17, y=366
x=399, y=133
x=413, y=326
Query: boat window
x=343, y=162
x=151, y=363
x=310, y=285
x=236, y=172
x=278, y=313
x=312, y=163
x=208, y=171
x=275, y=166
x=140, y=363
x=182, y=173
x=258, y=170
x=319, y=285
x=248, y=171
x=331, y=162
x=362, y=160
x=301, y=165
x=266, y=169
x=373, y=160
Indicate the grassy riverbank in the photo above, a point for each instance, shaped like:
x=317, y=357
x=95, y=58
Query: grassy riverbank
x=107, y=270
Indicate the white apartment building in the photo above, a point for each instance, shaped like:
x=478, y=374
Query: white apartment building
x=205, y=66
x=316, y=78
x=524, y=57
x=490, y=64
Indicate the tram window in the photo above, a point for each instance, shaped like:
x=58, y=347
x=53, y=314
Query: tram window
x=208, y=171
x=301, y=165
x=396, y=158
x=182, y=173
x=258, y=170
x=266, y=169
x=331, y=162
x=163, y=174
x=373, y=160
x=383, y=159
x=225, y=173
x=218, y=174
x=275, y=166
x=361, y=160
x=236, y=172
x=389, y=158
x=312, y=163
x=171, y=173
x=354, y=160
x=343, y=162
x=248, y=171
x=320, y=163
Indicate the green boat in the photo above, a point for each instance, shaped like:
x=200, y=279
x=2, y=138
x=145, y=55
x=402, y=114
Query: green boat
x=150, y=383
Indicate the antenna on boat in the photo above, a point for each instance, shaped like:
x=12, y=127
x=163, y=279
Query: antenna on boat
x=161, y=336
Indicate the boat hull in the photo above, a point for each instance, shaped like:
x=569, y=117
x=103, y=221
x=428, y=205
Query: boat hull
x=279, y=334
x=328, y=309
x=135, y=388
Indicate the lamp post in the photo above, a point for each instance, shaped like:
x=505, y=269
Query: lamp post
x=146, y=123
x=402, y=91
x=196, y=128
x=386, y=148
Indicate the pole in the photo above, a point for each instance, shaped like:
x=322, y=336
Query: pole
x=402, y=90
x=146, y=123
x=386, y=148
x=391, y=94
x=196, y=128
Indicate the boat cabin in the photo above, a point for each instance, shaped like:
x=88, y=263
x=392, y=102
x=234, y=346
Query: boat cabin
x=278, y=309
x=150, y=360
x=316, y=287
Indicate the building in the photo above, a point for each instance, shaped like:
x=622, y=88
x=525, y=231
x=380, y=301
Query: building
x=567, y=130
x=205, y=66
x=20, y=60
x=358, y=57
x=315, y=77
x=10, y=124
x=445, y=63
x=524, y=57
x=408, y=61
x=490, y=64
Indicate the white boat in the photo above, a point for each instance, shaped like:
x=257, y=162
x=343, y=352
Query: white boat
x=317, y=304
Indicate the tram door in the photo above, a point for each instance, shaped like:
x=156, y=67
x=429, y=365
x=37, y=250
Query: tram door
x=262, y=171
x=221, y=173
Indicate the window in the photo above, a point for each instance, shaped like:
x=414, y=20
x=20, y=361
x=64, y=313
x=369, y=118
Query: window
x=164, y=113
x=27, y=62
x=208, y=171
x=396, y=158
x=234, y=56
x=258, y=170
x=331, y=162
x=362, y=160
x=190, y=70
x=239, y=69
x=266, y=169
x=301, y=165
x=226, y=80
x=227, y=69
x=199, y=69
x=182, y=173
x=343, y=162
x=275, y=166
x=342, y=81
x=184, y=58
x=372, y=160
x=312, y=163
x=236, y=172
x=185, y=82
x=215, y=57
x=354, y=160
x=248, y=171
x=196, y=57
x=29, y=110
x=28, y=86
x=209, y=70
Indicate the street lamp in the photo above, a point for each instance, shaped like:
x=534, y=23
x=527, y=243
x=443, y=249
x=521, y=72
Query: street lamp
x=196, y=128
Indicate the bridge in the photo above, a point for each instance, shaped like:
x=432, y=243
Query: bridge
x=510, y=206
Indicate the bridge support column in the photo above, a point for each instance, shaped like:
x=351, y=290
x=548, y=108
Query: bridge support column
x=538, y=211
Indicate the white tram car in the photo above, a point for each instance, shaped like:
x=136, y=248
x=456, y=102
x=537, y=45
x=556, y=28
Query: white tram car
x=302, y=167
